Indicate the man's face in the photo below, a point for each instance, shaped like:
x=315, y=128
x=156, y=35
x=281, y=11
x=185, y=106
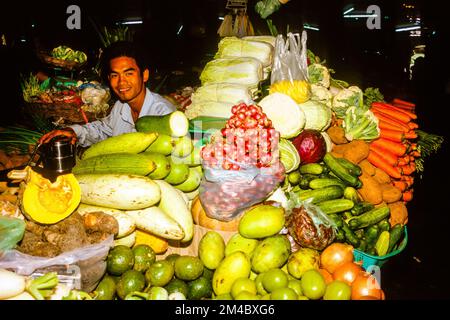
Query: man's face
x=126, y=79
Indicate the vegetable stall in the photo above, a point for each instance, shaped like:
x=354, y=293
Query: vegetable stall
x=296, y=182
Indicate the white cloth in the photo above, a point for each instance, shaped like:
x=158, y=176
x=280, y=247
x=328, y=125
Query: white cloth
x=120, y=120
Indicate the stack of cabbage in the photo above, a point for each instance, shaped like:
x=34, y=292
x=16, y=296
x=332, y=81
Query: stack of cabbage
x=233, y=76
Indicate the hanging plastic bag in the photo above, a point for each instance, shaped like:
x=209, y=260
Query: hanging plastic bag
x=290, y=67
x=225, y=194
x=308, y=225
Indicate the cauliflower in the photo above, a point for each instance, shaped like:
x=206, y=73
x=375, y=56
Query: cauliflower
x=347, y=97
x=319, y=74
x=321, y=94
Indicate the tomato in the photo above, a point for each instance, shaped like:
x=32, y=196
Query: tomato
x=283, y=294
x=313, y=284
x=274, y=279
x=338, y=290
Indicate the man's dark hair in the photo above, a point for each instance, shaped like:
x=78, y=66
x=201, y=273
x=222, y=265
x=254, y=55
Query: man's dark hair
x=122, y=49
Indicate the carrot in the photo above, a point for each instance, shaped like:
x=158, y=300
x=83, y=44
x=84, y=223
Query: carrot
x=390, y=107
x=396, y=148
x=386, y=125
x=391, y=158
x=409, y=180
x=407, y=195
x=392, y=113
x=410, y=135
x=380, y=162
x=400, y=185
x=412, y=146
x=403, y=102
x=415, y=153
x=413, y=125
x=408, y=168
x=403, y=160
x=393, y=135
x=388, y=119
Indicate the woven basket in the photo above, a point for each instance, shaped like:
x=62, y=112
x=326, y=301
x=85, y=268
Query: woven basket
x=59, y=63
x=63, y=113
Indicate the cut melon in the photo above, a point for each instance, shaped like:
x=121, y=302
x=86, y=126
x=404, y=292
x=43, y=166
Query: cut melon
x=174, y=124
x=287, y=118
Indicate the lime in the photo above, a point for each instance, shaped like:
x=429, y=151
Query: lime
x=159, y=273
x=106, y=289
x=158, y=293
x=313, y=284
x=242, y=284
x=144, y=256
x=199, y=288
x=188, y=268
x=208, y=273
x=338, y=290
x=382, y=244
x=119, y=260
x=274, y=279
x=130, y=281
x=177, y=285
x=172, y=257
x=283, y=294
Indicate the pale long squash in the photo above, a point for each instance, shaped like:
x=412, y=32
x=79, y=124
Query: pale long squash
x=156, y=221
x=118, y=191
x=174, y=205
x=126, y=223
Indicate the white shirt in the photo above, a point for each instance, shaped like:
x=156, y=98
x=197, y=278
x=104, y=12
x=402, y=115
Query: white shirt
x=120, y=119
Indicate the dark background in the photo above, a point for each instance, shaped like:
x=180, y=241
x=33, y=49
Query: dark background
x=360, y=56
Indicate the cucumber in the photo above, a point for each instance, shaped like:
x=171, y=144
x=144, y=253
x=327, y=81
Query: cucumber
x=118, y=191
x=369, y=218
x=305, y=180
x=384, y=225
x=132, y=142
x=336, y=219
x=174, y=124
x=350, y=193
x=325, y=182
x=313, y=168
x=350, y=235
x=318, y=195
x=335, y=206
x=361, y=207
x=351, y=167
x=340, y=171
x=396, y=234
x=371, y=234
x=122, y=163
x=382, y=245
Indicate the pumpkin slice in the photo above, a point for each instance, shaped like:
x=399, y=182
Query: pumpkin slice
x=46, y=202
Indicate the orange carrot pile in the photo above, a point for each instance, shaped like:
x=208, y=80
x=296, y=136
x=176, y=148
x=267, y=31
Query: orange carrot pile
x=395, y=151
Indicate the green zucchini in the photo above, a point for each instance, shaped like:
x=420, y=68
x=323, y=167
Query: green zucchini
x=351, y=167
x=340, y=171
x=325, y=182
x=361, y=207
x=350, y=235
x=335, y=206
x=396, y=234
x=369, y=218
x=174, y=124
x=318, y=195
x=124, y=163
x=132, y=142
x=313, y=168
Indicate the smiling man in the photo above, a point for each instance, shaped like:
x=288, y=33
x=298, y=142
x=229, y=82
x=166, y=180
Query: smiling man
x=127, y=76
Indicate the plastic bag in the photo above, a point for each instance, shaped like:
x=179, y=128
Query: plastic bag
x=309, y=226
x=11, y=232
x=91, y=260
x=225, y=194
x=290, y=58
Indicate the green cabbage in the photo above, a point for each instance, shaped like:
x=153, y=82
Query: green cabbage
x=244, y=70
x=235, y=47
x=318, y=115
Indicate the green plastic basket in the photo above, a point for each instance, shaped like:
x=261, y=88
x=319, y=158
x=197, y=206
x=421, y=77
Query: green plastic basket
x=371, y=260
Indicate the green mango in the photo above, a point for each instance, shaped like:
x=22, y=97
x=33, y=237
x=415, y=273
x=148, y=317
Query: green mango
x=303, y=260
x=162, y=165
x=236, y=265
x=240, y=243
x=272, y=252
x=183, y=146
x=211, y=249
x=164, y=144
x=192, y=182
x=262, y=221
x=179, y=172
